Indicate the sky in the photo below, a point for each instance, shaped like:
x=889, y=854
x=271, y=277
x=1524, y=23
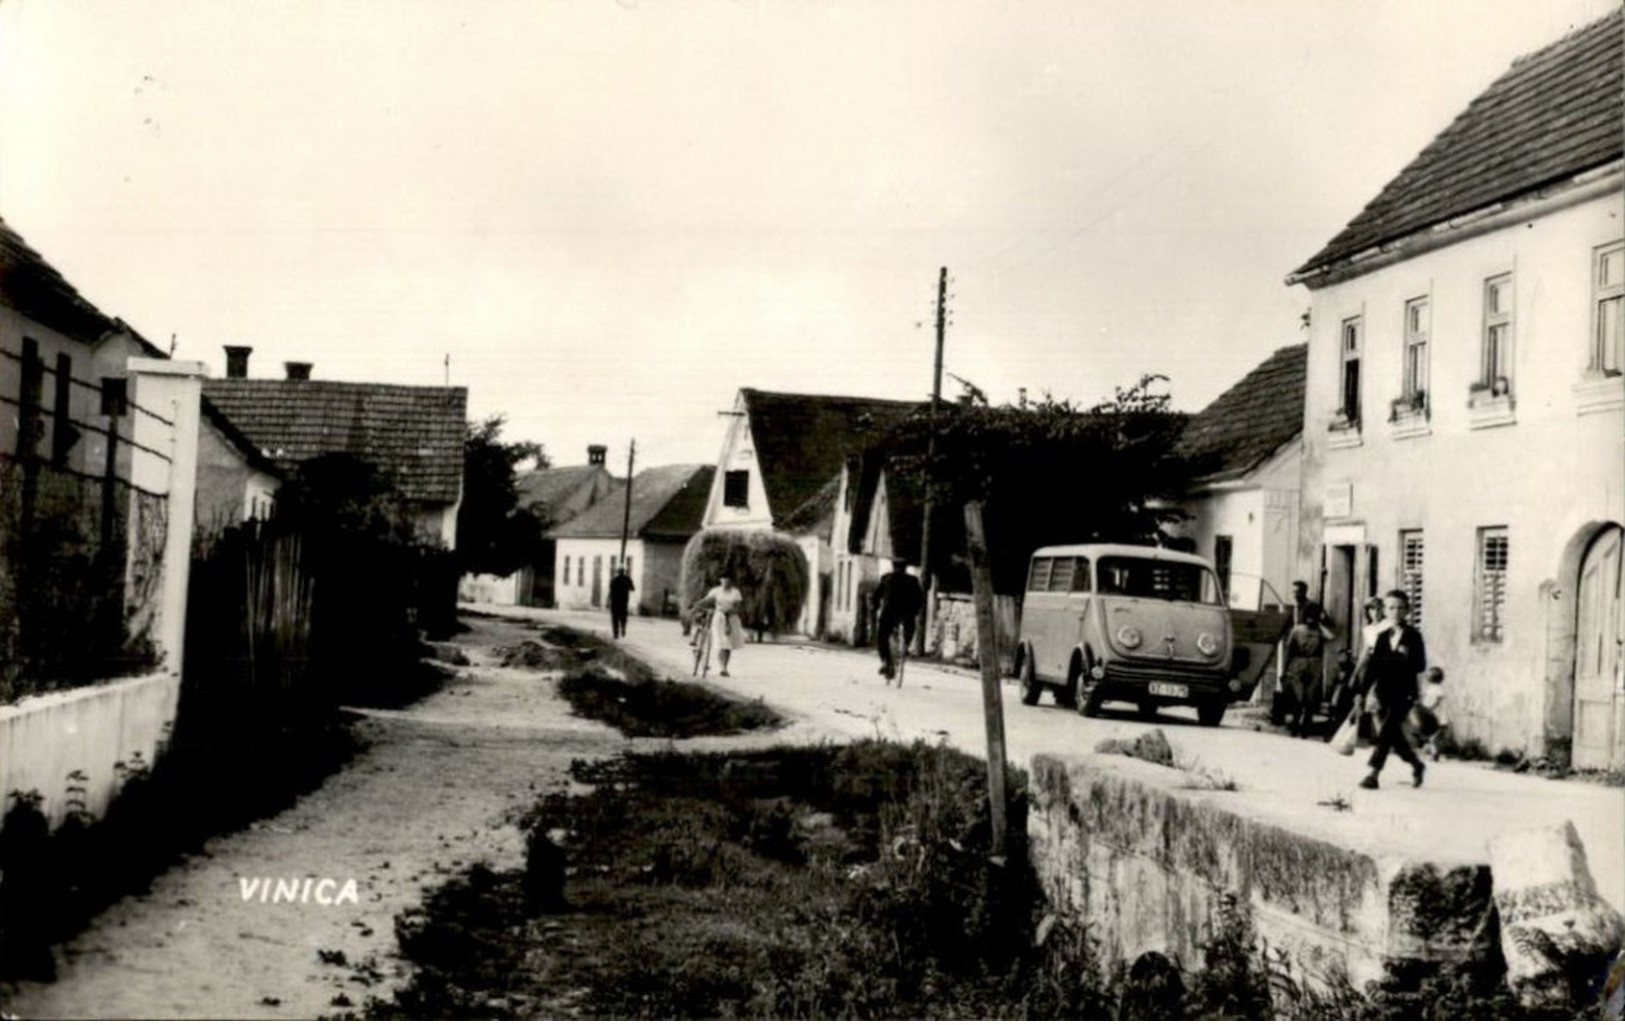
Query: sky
x=604, y=218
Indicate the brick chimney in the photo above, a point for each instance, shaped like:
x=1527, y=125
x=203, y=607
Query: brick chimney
x=298, y=371
x=237, y=360
x=596, y=454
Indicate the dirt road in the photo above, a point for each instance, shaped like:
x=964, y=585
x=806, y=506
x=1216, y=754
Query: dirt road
x=430, y=794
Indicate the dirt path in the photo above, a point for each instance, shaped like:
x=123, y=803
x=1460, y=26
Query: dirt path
x=431, y=794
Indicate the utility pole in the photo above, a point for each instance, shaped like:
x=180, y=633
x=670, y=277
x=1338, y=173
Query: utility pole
x=626, y=515
x=927, y=577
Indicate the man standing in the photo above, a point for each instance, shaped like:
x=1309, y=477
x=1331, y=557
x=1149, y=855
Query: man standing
x=620, y=597
x=898, y=599
x=1303, y=605
x=1388, y=673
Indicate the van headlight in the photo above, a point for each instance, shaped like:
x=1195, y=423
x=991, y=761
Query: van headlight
x=1129, y=636
x=1207, y=644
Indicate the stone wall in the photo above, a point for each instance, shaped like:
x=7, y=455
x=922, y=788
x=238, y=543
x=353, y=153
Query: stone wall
x=1146, y=858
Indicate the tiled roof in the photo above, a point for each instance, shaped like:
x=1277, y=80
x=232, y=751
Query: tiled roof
x=817, y=514
x=1246, y=425
x=565, y=491
x=250, y=452
x=35, y=289
x=802, y=440
x=668, y=502
x=414, y=434
x=1558, y=112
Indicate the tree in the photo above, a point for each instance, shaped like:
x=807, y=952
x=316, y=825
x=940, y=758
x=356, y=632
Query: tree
x=494, y=533
x=1049, y=472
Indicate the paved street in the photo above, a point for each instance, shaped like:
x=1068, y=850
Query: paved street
x=836, y=693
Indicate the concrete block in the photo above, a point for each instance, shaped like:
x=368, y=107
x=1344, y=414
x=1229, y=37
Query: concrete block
x=1552, y=919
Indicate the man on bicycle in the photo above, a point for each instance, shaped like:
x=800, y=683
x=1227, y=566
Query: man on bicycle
x=898, y=600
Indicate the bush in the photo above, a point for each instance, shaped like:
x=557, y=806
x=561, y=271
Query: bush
x=769, y=568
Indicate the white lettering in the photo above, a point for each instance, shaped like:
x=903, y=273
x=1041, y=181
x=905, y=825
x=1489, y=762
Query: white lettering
x=265, y=894
x=304, y=897
x=324, y=891
x=286, y=890
x=348, y=893
x=248, y=886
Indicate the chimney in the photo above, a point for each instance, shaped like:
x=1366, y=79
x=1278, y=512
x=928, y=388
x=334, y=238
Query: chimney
x=298, y=371
x=237, y=360
x=596, y=454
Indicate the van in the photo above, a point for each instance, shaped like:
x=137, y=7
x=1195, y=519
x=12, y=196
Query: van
x=1112, y=622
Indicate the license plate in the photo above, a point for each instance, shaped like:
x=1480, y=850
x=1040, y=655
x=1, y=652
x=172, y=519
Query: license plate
x=1169, y=690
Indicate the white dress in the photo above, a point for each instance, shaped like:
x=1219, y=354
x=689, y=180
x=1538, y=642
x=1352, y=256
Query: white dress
x=726, y=632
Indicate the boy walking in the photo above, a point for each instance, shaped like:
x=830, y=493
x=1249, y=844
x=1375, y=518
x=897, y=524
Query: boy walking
x=1388, y=671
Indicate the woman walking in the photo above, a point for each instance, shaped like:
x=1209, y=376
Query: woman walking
x=726, y=631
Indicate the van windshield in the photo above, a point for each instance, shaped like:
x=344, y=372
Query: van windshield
x=1154, y=578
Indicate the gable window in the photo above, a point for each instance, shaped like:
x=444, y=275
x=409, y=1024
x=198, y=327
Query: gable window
x=736, y=489
x=1608, y=328
x=1410, y=572
x=1348, y=395
x=1495, y=373
x=1415, y=384
x=1490, y=584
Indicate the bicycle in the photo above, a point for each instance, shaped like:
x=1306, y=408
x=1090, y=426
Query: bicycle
x=702, y=642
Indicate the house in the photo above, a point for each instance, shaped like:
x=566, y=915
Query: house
x=236, y=481
x=1464, y=414
x=658, y=517
x=98, y=453
x=1242, y=509
x=558, y=493
x=782, y=459
x=412, y=434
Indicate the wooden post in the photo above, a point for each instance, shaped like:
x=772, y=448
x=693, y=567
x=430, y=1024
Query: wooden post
x=987, y=651
x=928, y=579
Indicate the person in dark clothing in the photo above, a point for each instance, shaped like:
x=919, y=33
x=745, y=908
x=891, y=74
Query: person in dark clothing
x=1388, y=673
x=898, y=600
x=620, y=598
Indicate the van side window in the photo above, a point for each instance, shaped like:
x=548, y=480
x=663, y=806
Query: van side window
x=1038, y=578
x=1070, y=574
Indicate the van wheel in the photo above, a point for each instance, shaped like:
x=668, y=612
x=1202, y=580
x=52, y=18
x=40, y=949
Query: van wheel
x=1087, y=690
x=1031, y=689
x=1211, y=712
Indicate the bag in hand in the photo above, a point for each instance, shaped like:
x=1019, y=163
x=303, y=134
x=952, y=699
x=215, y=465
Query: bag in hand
x=1347, y=737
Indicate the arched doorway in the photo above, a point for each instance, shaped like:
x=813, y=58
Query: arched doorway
x=1599, y=655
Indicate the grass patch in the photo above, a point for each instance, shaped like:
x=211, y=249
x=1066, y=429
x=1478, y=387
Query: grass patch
x=662, y=708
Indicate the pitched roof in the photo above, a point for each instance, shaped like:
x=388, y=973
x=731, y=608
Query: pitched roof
x=34, y=288
x=667, y=502
x=817, y=514
x=801, y=441
x=412, y=433
x=1246, y=425
x=553, y=487
x=1556, y=113
x=251, y=453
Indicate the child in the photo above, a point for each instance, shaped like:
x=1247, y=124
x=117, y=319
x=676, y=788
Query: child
x=1433, y=700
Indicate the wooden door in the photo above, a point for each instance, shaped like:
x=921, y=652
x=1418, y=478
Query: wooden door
x=1599, y=686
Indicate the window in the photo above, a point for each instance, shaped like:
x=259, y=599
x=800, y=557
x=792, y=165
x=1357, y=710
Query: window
x=1223, y=548
x=1410, y=572
x=1416, y=353
x=736, y=489
x=115, y=396
x=1608, y=336
x=1349, y=391
x=581, y=571
x=566, y=571
x=1490, y=590
x=628, y=567
x=1038, y=576
x=1495, y=375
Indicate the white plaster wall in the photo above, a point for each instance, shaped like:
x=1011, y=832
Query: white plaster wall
x=89, y=729
x=1542, y=477
x=739, y=453
x=570, y=595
